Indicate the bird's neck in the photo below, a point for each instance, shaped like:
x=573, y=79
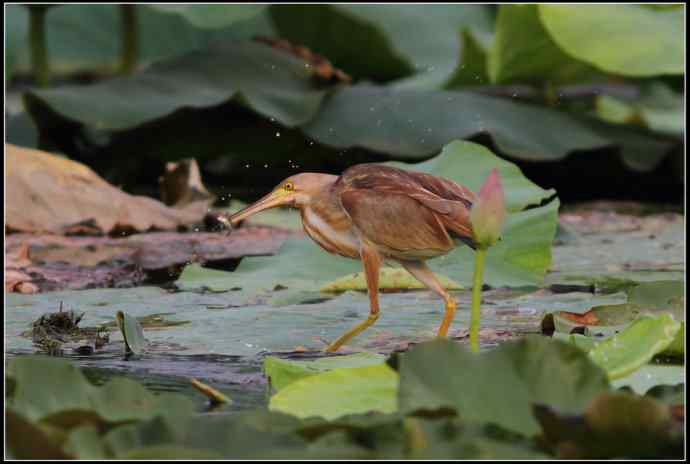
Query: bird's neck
x=319, y=197
x=324, y=203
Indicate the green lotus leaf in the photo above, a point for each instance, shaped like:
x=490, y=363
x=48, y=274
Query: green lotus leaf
x=523, y=50
x=628, y=40
x=339, y=392
x=443, y=374
x=46, y=386
x=97, y=46
x=210, y=16
x=374, y=41
x=636, y=345
x=270, y=81
x=282, y=372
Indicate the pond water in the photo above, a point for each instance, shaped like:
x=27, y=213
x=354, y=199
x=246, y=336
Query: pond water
x=223, y=343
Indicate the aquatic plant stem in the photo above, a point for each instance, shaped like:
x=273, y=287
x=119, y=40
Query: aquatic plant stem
x=130, y=38
x=477, y=283
x=37, y=38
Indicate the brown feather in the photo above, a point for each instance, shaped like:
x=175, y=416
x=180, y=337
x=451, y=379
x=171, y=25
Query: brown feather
x=398, y=225
x=451, y=201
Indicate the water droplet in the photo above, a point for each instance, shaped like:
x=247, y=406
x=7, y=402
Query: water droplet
x=265, y=165
x=277, y=134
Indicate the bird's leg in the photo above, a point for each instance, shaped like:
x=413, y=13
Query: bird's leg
x=372, y=263
x=422, y=273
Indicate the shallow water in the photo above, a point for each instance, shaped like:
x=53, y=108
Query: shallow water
x=226, y=338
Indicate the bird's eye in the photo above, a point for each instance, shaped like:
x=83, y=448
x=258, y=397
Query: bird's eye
x=289, y=187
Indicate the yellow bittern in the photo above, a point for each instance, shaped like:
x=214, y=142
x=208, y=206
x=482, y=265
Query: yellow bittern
x=374, y=213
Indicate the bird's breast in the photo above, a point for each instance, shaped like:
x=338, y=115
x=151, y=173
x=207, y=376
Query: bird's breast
x=332, y=230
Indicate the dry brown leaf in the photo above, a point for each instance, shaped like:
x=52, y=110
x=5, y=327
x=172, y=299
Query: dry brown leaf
x=588, y=318
x=17, y=281
x=48, y=193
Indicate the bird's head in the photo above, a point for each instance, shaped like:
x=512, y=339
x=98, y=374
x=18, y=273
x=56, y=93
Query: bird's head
x=296, y=191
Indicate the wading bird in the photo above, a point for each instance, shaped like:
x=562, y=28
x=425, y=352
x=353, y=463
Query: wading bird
x=374, y=213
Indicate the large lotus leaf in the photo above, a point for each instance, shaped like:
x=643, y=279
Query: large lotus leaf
x=523, y=50
x=211, y=16
x=454, y=438
x=227, y=436
x=469, y=164
x=418, y=123
x=636, y=345
x=374, y=41
x=499, y=386
x=661, y=295
x=262, y=274
x=389, y=279
x=282, y=372
x=639, y=150
x=521, y=258
x=88, y=37
x=46, y=387
x=473, y=67
x=270, y=81
x=340, y=392
x=628, y=40
x=614, y=425
x=658, y=108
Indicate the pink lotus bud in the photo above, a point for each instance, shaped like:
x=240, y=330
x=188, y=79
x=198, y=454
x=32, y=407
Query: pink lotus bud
x=489, y=211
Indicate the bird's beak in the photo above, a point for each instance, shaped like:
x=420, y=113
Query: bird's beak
x=275, y=198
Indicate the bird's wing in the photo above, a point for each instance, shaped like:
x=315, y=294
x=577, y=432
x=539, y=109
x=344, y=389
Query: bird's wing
x=406, y=210
x=396, y=222
x=451, y=200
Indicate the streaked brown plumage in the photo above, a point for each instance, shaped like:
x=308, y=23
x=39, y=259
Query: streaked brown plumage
x=374, y=213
